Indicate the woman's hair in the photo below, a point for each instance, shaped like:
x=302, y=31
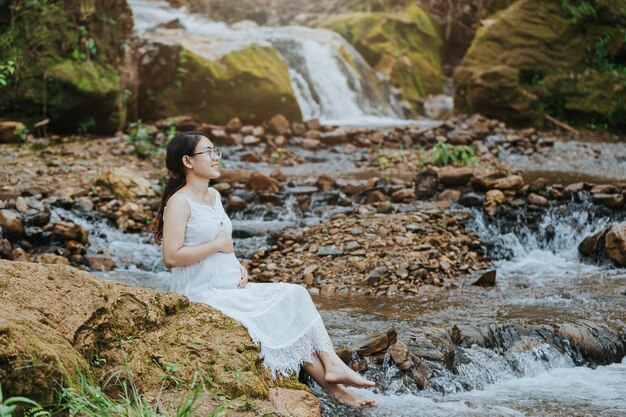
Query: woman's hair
x=181, y=145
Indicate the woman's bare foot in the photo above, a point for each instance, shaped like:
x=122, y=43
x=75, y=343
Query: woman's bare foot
x=340, y=373
x=346, y=397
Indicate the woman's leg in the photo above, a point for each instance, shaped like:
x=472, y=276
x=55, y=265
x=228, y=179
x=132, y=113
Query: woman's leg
x=317, y=371
x=338, y=372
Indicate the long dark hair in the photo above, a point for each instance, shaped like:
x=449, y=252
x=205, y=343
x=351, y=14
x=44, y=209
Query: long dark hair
x=181, y=145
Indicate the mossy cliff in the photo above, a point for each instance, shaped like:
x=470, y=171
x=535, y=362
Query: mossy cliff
x=564, y=58
x=252, y=84
x=64, y=60
x=406, y=46
x=57, y=321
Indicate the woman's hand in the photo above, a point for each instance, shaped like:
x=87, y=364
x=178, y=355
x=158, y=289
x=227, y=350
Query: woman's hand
x=224, y=242
x=244, y=277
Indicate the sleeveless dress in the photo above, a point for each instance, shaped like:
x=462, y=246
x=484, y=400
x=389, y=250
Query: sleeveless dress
x=279, y=317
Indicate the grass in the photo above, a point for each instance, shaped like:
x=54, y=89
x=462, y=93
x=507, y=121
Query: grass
x=88, y=400
x=9, y=405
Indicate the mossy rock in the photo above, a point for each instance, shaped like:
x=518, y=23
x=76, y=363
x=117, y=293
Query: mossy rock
x=71, y=76
x=560, y=61
x=102, y=326
x=252, y=83
x=404, y=46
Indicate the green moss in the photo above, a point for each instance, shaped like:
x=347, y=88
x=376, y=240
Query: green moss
x=405, y=46
x=252, y=84
x=565, y=58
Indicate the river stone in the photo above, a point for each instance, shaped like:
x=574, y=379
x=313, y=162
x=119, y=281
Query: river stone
x=492, y=199
x=279, y=125
x=236, y=203
x=404, y=195
x=426, y=183
x=334, y=137
x=376, y=342
x=605, y=189
x=101, y=263
x=298, y=129
x=615, y=244
x=125, y=183
x=67, y=231
x=11, y=222
x=537, y=200
x=290, y=402
x=234, y=124
x=51, y=258
x=471, y=200
x=455, y=177
x=313, y=124
x=311, y=144
x=512, y=182
x=329, y=251
x=574, y=188
x=538, y=185
x=262, y=183
x=399, y=352
x=593, y=245
x=609, y=200
x=449, y=195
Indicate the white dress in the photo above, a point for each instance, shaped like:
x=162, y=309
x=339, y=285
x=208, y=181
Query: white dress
x=280, y=317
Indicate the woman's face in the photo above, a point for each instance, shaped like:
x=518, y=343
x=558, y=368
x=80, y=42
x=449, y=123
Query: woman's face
x=206, y=159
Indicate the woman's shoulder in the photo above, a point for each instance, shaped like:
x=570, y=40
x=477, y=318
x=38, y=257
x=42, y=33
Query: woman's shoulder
x=178, y=202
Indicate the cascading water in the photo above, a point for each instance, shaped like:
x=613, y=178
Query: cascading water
x=331, y=80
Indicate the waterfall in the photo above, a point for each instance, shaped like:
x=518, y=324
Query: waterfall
x=330, y=79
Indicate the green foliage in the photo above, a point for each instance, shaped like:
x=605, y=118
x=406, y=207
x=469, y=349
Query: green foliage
x=602, y=59
x=444, y=153
x=181, y=69
x=172, y=129
x=7, y=69
x=141, y=137
x=86, y=125
x=88, y=400
x=8, y=406
x=579, y=10
x=382, y=158
x=22, y=132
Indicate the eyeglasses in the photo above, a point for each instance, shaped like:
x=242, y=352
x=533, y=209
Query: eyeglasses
x=212, y=152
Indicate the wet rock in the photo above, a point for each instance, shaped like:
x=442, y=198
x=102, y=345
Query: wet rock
x=537, y=200
x=19, y=255
x=261, y=183
x=399, y=352
x=455, y=177
x=70, y=231
x=236, y=203
x=377, y=274
x=404, y=195
x=426, y=183
x=51, y=258
x=609, y=200
x=449, y=195
x=125, y=183
x=313, y=124
x=432, y=344
x=492, y=199
x=101, y=263
x=344, y=353
x=251, y=140
x=298, y=129
x=329, y=251
x=488, y=279
x=376, y=342
x=384, y=207
x=471, y=200
x=279, y=125
x=574, y=188
x=311, y=144
x=605, y=189
x=335, y=137
x=538, y=185
x=615, y=244
x=11, y=222
x=512, y=182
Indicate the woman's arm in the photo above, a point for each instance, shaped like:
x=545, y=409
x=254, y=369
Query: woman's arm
x=174, y=223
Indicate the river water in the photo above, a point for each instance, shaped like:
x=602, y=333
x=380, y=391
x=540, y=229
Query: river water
x=540, y=281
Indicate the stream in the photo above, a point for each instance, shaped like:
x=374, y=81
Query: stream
x=540, y=280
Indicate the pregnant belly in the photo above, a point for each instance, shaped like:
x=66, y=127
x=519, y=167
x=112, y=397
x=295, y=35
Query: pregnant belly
x=227, y=270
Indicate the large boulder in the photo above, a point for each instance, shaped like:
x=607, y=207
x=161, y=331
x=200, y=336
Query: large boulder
x=77, y=77
x=548, y=57
x=405, y=46
x=56, y=321
x=252, y=83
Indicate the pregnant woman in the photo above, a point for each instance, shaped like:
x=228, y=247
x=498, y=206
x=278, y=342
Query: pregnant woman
x=197, y=246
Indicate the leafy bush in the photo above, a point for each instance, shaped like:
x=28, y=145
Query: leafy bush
x=8, y=406
x=444, y=153
x=579, y=10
